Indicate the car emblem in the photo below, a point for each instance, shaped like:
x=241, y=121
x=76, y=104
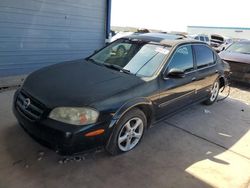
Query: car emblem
x=26, y=103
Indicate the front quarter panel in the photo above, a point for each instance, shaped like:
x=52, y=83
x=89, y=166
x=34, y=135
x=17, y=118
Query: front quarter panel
x=131, y=104
x=120, y=103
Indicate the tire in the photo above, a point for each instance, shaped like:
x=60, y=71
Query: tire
x=214, y=93
x=126, y=136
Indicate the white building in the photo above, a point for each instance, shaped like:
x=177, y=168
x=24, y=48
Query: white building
x=231, y=32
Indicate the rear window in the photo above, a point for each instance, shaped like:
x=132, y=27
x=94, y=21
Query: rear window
x=204, y=56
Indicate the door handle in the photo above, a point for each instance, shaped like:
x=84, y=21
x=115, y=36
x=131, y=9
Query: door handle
x=194, y=78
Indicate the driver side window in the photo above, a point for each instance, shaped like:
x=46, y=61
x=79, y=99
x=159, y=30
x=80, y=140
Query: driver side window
x=182, y=59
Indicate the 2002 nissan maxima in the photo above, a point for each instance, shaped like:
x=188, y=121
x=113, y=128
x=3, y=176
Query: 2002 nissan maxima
x=110, y=99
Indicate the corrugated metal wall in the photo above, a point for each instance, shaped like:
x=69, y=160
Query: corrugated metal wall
x=37, y=33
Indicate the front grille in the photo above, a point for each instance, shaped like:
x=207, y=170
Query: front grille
x=29, y=107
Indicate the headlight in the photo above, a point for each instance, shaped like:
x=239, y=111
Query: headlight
x=75, y=116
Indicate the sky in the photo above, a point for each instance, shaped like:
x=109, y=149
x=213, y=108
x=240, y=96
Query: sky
x=176, y=15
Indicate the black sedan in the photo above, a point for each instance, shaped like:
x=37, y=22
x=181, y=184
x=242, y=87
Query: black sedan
x=110, y=99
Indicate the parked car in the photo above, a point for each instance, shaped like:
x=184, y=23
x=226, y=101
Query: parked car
x=225, y=44
x=237, y=55
x=216, y=41
x=121, y=34
x=201, y=37
x=108, y=100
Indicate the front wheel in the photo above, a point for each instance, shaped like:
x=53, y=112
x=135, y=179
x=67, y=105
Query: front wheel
x=127, y=133
x=213, y=93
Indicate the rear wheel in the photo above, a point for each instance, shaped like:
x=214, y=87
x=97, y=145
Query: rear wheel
x=127, y=133
x=213, y=94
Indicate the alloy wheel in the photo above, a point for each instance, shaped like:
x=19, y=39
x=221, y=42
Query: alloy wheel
x=130, y=134
x=214, y=91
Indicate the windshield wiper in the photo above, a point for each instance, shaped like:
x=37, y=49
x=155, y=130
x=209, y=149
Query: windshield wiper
x=95, y=62
x=117, y=67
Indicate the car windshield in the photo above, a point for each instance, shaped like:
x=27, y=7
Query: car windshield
x=239, y=48
x=131, y=56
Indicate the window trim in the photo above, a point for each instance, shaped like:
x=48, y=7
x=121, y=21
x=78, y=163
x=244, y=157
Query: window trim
x=208, y=65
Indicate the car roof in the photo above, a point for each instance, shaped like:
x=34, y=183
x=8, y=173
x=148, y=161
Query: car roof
x=170, y=40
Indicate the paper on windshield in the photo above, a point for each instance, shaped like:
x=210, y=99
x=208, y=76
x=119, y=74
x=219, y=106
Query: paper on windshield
x=162, y=50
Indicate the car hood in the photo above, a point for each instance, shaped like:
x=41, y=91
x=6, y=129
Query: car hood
x=77, y=83
x=236, y=57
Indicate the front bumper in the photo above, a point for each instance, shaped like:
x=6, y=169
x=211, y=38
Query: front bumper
x=64, y=138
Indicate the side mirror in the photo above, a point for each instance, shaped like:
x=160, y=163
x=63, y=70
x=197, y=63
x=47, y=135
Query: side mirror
x=175, y=73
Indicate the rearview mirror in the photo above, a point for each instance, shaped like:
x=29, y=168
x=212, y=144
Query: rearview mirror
x=175, y=73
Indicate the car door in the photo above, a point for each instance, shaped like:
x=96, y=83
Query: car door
x=177, y=92
x=207, y=72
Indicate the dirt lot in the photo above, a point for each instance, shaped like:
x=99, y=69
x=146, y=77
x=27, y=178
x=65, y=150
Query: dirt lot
x=198, y=147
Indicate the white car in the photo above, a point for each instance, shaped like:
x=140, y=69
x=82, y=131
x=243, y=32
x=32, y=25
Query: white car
x=120, y=35
x=201, y=37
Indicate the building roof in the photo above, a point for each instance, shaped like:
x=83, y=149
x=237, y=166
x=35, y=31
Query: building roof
x=212, y=27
